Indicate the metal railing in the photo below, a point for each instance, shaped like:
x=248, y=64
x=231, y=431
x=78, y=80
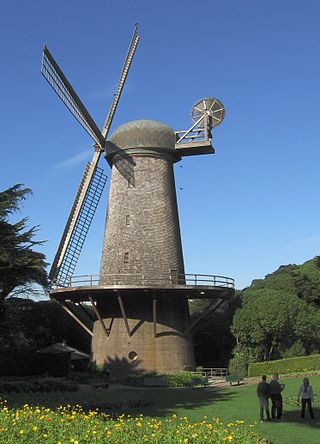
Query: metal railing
x=150, y=278
x=214, y=372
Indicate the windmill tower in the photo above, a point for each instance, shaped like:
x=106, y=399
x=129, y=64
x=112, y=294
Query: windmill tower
x=140, y=298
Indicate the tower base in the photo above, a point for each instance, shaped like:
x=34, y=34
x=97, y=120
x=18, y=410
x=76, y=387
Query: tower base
x=142, y=333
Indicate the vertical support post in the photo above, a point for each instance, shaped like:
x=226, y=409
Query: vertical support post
x=154, y=314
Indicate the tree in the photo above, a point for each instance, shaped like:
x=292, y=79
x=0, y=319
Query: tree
x=212, y=339
x=20, y=265
x=271, y=322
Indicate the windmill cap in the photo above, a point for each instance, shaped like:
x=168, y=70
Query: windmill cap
x=143, y=134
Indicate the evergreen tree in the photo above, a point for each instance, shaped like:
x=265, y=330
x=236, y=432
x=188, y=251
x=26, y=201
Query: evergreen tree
x=20, y=265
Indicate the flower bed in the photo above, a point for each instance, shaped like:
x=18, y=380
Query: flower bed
x=74, y=425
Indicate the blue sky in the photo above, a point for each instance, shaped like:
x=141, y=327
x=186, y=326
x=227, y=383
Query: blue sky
x=245, y=210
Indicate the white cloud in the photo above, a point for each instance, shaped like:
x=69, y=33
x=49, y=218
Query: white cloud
x=74, y=160
x=307, y=240
x=108, y=92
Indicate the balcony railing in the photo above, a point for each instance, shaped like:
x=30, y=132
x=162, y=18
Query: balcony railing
x=147, y=279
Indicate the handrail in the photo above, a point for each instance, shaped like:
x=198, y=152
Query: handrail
x=146, y=279
x=214, y=372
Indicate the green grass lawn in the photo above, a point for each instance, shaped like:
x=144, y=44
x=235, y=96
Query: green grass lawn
x=229, y=404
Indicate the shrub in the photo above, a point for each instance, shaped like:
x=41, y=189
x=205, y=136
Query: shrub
x=238, y=365
x=179, y=379
x=138, y=380
x=285, y=366
x=297, y=349
x=43, y=385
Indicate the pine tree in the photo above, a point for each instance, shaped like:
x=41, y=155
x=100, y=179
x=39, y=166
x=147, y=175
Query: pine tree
x=20, y=265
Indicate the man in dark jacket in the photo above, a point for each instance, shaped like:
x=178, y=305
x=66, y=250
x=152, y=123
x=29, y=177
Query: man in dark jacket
x=276, y=397
x=263, y=392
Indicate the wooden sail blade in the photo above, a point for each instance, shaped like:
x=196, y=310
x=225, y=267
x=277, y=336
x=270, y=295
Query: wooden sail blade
x=125, y=69
x=60, y=84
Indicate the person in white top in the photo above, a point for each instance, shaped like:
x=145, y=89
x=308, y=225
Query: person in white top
x=306, y=396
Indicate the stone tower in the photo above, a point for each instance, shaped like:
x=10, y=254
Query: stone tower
x=142, y=253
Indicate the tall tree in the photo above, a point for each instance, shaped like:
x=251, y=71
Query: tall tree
x=20, y=265
x=271, y=322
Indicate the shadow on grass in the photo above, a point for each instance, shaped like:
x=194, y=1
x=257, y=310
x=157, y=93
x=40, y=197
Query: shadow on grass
x=116, y=400
x=293, y=416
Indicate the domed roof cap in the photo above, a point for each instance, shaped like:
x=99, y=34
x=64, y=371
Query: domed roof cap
x=143, y=134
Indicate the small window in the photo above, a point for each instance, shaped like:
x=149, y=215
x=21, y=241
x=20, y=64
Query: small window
x=126, y=257
x=132, y=355
x=127, y=220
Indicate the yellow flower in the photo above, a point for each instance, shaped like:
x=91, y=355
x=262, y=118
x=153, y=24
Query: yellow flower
x=34, y=428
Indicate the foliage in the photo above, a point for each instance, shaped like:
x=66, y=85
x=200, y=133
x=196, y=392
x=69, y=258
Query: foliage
x=74, y=425
x=270, y=322
x=238, y=365
x=178, y=379
x=20, y=265
x=296, y=349
x=27, y=326
x=301, y=280
x=210, y=352
x=285, y=366
x=44, y=385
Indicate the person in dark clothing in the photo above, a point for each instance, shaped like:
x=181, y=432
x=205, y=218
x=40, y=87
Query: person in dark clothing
x=276, y=397
x=263, y=392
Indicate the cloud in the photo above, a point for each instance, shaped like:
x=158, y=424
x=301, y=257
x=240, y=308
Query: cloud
x=306, y=240
x=108, y=92
x=74, y=160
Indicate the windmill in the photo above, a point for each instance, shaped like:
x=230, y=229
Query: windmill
x=93, y=179
x=140, y=298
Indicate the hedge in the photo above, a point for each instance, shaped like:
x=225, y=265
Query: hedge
x=285, y=366
x=43, y=385
x=178, y=379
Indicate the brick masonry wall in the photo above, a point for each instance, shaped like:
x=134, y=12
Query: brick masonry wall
x=142, y=232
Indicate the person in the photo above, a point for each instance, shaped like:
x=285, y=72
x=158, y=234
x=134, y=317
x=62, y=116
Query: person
x=276, y=397
x=306, y=396
x=263, y=392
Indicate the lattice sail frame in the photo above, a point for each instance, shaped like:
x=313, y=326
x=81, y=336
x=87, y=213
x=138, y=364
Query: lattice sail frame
x=57, y=80
x=67, y=266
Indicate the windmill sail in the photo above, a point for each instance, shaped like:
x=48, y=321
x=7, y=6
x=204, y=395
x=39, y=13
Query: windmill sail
x=60, y=84
x=125, y=69
x=93, y=179
x=78, y=225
